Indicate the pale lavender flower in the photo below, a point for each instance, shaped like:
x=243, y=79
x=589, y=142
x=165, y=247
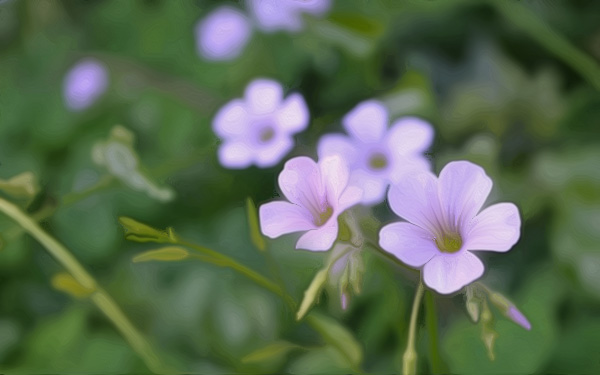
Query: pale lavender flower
x=258, y=129
x=223, y=34
x=445, y=225
x=317, y=194
x=273, y=15
x=84, y=84
x=376, y=155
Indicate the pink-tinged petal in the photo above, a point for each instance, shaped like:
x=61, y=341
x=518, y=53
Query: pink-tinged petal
x=272, y=153
x=516, y=316
x=235, y=155
x=277, y=218
x=415, y=198
x=367, y=121
x=409, y=243
x=350, y=197
x=463, y=188
x=448, y=273
x=335, y=176
x=320, y=239
x=497, y=228
x=272, y=15
x=373, y=186
x=223, y=34
x=410, y=135
x=292, y=116
x=316, y=7
x=232, y=120
x=263, y=96
x=300, y=181
x=337, y=144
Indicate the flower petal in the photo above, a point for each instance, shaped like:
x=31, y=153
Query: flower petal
x=272, y=153
x=410, y=135
x=448, y=273
x=351, y=196
x=404, y=165
x=320, y=239
x=415, y=198
x=409, y=243
x=263, y=95
x=497, y=228
x=292, y=116
x=277, y=218
x=300, y=181
x=235, y=155
x=373, y=186
x=231, y=120
x=463, y=188
x=367, y=121
x=337, y=144
x=84, y=84
x=223, y=34
x=335, y=176
x=272, y=15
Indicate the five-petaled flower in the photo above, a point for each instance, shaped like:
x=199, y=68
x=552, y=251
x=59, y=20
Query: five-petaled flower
x=445, y=225
x=259, y=128
x=223, y=34
x=378, y=156
x=273, y=15
x=84, y=84
x=317, y=194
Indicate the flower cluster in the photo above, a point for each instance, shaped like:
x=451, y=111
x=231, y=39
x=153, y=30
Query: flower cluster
x=224, y=33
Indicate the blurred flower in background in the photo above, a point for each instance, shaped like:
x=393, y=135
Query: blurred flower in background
x=273, y=15
x=223, y=34
x=84, y=84
x=259, y=128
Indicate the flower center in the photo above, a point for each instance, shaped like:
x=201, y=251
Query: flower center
x=378, y=161
x=266, y=134
x=449, y=242
x=322, y=217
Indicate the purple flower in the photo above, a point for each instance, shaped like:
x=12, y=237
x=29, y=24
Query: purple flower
x=376, y=155
x=318, y=194
x=445, y=225
x=223, y=34
x=84, y=84
x=273, y=15
x=258, y=129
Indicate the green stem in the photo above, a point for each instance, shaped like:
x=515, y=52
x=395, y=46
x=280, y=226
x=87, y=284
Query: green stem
x=102, y=300
x=554, y=42
x=409, y=359
x=437, y=364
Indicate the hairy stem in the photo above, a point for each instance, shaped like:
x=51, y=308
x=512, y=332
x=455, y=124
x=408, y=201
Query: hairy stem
x=409, y=359
x=102, y=300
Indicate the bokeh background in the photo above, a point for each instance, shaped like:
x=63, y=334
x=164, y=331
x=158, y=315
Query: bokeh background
x=512, y=86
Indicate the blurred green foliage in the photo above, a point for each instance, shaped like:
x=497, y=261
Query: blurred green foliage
x=513, y=99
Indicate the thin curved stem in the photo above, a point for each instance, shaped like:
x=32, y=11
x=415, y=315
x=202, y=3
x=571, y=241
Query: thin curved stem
x=100, y=297
x=409, y=359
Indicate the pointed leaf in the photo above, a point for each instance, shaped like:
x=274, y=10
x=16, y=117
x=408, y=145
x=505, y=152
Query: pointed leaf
x=274, y=350
x=136, y=231
x=23, y=186
x=257, y=238
x=165, y=254
x=66, y=283
x=338, y=336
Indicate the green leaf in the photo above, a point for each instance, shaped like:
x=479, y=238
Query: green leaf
x=271, y=351
x=312, y=292
x=358, y=23
x=66, y=283
x=136, y=231
x=257, y=239
x=488, y=333
x=165, y=254
x=338, y=336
